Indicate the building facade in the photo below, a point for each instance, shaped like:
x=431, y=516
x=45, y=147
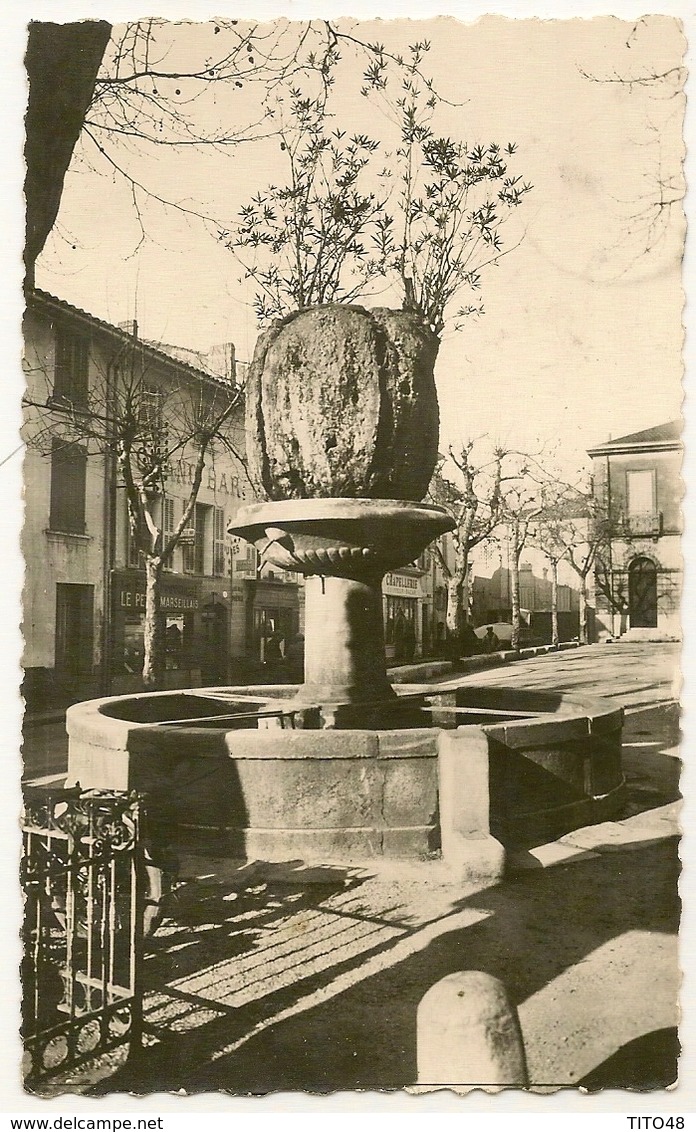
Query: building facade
x=639, y=577
x=491, y=582
x=410, y=597
x=84, y=593
x=225, y=616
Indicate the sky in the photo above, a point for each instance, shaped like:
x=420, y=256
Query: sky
x=582, y=332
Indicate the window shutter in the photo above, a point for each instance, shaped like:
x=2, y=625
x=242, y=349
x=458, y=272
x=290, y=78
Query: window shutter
x=68, y=487
x=219, y=542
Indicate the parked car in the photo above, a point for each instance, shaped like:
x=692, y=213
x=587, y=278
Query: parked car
x=503, y=631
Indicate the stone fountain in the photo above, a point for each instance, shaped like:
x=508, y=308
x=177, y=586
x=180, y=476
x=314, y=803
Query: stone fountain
x=342, y=440
x=342, y=433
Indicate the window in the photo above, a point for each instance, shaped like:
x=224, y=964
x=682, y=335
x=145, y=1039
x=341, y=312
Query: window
x=194, y=554
x=640, y=489
x=643, y=518
x=68, y=484
x=400, y=617
x=150, y=411
x=152, y=428
x=167, y=527
x=71, y=367
x=218, y=542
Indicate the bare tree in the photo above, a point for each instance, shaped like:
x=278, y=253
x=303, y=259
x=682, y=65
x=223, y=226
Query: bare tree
x=613, y=586
x=576, y=526
x=547, y=538
x=151, y=429
x=475, y=498
x=529, y=506
x=569, y=537
x=519, y=514
x=647, y=75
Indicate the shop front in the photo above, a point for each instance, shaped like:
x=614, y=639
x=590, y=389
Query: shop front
x=273, y=627
x=403, y=616
x=191, y=631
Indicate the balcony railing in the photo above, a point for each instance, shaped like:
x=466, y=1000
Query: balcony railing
x=646, y=524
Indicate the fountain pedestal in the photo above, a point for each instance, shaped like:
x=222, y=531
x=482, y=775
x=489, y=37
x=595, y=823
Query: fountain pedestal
x=344, y=547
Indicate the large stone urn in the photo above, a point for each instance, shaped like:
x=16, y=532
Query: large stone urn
x=342, y=433
x=341, y=401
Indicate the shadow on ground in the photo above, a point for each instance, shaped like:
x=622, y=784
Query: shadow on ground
x=345, y=1017
x=648, y=1062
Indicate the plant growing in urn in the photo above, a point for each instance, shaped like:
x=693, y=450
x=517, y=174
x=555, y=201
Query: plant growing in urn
x=342, y=414
x=341, y=401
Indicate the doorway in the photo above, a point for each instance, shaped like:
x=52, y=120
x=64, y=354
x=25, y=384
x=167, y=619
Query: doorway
x=74, y=657
x=642, y=594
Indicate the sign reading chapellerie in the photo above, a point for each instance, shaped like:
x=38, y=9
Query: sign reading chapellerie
x=129, y=597
x=402, y=582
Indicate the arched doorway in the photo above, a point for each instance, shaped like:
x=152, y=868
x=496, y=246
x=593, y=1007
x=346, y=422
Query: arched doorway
x=642, y=594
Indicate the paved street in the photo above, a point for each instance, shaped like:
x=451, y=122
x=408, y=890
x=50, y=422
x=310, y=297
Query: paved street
x=307, y=976
x=630, y=674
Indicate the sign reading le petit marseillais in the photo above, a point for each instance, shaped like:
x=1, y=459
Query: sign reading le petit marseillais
x=129, y=596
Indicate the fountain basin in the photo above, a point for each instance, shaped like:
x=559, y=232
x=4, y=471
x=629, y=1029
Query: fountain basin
x=344, y=547
x=262, y=789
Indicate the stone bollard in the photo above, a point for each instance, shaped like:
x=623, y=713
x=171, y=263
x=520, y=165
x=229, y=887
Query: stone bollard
x=468, y=848
x=468, y=1033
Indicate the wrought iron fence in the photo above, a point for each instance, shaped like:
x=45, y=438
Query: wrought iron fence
x=83, y=880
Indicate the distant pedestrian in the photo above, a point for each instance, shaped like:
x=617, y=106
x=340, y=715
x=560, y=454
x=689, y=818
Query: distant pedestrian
x=272, y=651
x=468, y=641
x=491, y=642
